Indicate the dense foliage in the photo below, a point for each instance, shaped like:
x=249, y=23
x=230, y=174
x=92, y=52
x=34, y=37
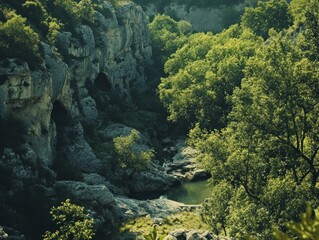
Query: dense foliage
x=268, y=14
x=17, y=39
x=72, y=221
x=251, y=96
x=129, y=156
x=23, y=23
x=167, y=36
x=203, y=73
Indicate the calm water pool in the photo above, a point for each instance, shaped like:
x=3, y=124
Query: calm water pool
x=190, y=193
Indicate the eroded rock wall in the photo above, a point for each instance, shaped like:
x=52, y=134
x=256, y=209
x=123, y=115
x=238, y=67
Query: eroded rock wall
x=54, y=104
x=115, y=48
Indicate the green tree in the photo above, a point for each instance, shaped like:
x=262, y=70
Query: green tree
x=215, y=210
x=18, y=40
x=72, y=223
x=36, y=12
x=269, y=149
x=129, y=156
x=268, y=14
x=306, y=16
x=74, y=13
x=202, y=75
x=167, y=36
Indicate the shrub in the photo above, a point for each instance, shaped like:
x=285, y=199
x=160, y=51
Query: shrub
x=129, y=156
x=18, y=40
x=72, y=223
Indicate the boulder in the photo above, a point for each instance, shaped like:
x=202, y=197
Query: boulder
x=185, y=234
x=83, y=193
x=89, y=114
x=95, y=179
x=184, y=165
x=153, y=180
x=156, y=209
x=196, y=235
x=78, y=152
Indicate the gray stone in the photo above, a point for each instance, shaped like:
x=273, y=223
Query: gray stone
x=156, y=209
x=59, y=71
x=179, y=234
x=81, y=192
x=88, y=111
x=196, y=235
x=79, y=153
x=184, y=166
x=154, y=179
x=185, y=234
x=95, y=179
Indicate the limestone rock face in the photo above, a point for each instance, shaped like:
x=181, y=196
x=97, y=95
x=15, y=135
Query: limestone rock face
x=54, y=103
x=184, y=165
x=81, y=192
x=115, y=48
x=78, y=152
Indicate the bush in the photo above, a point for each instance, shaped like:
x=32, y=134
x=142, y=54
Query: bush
x=73, y=13
x=18, y=40
x=129, y=156
x=72, y=223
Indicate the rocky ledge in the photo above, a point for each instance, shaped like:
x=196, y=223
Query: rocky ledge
x=183, y=165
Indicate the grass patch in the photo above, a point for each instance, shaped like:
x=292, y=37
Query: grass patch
x=144, y=225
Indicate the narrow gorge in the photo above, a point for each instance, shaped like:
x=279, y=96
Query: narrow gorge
x=171, y=120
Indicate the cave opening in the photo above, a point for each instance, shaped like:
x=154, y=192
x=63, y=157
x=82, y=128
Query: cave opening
x=103, y=83
x=61, y=118
x=101, y=90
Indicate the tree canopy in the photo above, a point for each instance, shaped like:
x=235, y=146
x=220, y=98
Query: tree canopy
x=202, y=75
x=250, y=95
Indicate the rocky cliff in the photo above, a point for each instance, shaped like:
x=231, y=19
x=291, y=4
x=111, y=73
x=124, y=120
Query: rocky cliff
x=52, y=104
x=112, y=54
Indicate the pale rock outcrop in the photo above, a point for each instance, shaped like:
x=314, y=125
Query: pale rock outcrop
x=54, y=102
x=117, y=46
x=184, y=165
x=156, y=209
x=83, y=193
x=78, y=152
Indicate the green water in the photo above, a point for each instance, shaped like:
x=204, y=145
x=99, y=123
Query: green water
x=190, y=193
